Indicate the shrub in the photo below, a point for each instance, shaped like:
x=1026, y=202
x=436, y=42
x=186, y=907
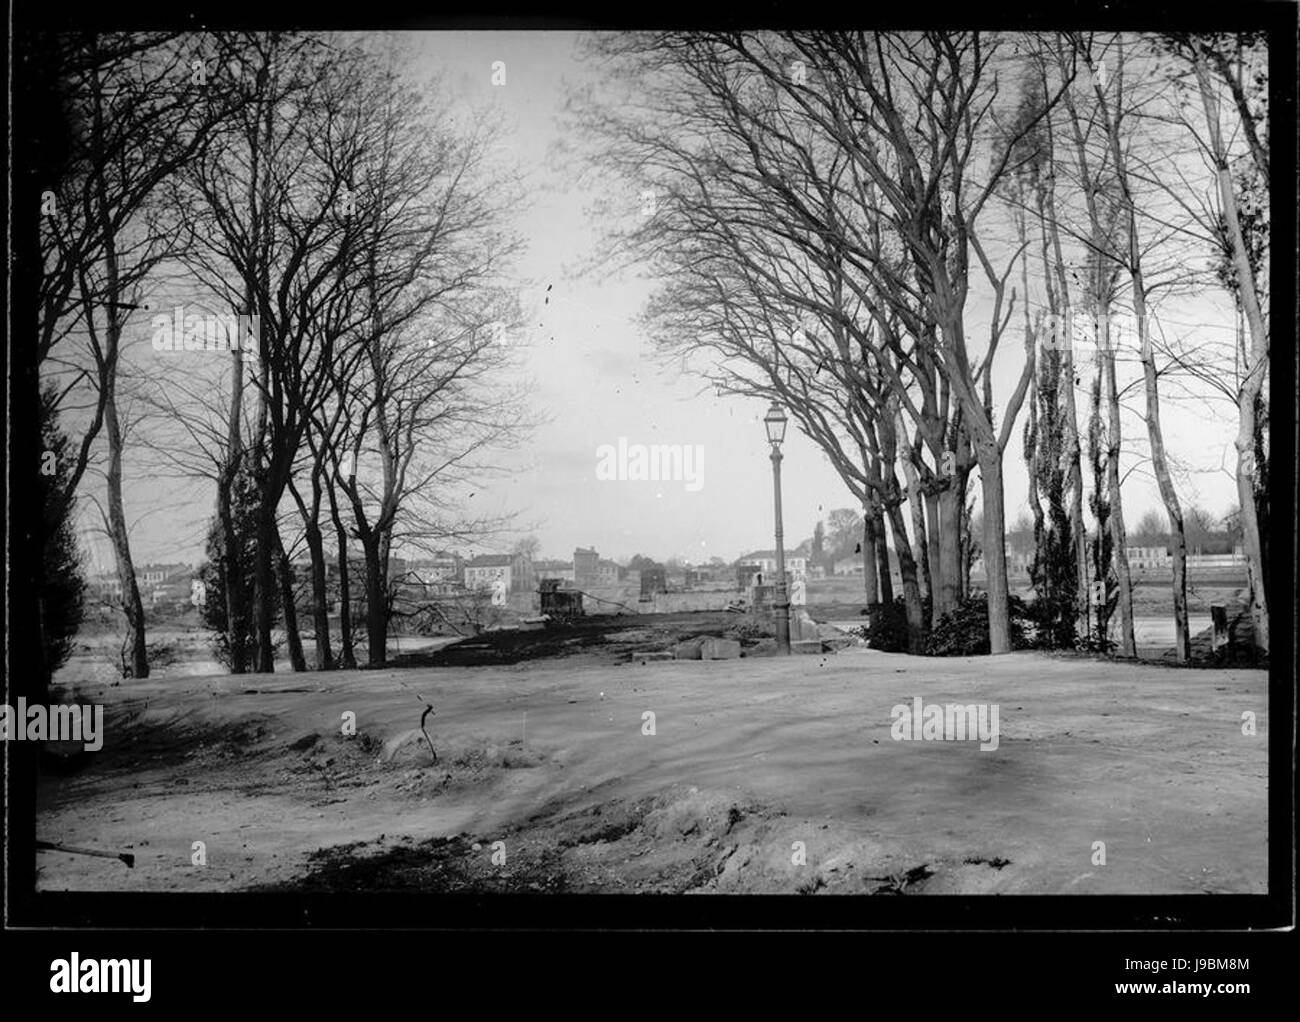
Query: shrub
x=1094, y=644
x=749, y=631
x=212, y=573
x=63, y=585
x=965, y=630
x=886, y=627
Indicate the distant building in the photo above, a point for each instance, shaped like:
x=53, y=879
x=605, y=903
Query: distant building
x=764, y=563
x=584, y=564
x=156, y=574
x=159, y=585
x=173, y=590
x=653, y=580
x=484, y=571
x=1143, y=557
x=610, y=572
x=439, y=575
x=706, y=574
x=443, y=567
x=590, y=569
x=1018, y=565
x=561, y=570
x=106, y=586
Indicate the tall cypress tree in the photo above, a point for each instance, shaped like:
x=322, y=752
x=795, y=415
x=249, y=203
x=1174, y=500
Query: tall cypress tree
x=1105, y=596
x=229, y=637
x=1053, y=571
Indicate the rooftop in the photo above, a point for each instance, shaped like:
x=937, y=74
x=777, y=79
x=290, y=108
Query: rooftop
x=770, y=555
x=491, y=561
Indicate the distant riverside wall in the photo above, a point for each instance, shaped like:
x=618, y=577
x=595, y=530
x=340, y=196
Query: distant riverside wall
x=660, y=603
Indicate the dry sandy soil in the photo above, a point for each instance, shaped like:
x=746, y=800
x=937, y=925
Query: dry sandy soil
x=749, y=757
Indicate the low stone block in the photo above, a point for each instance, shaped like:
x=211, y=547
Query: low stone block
x=720, y=649
x=689, y=650
x=808, y=646
x=834, y=643
x=646, y=656
x=802, y=626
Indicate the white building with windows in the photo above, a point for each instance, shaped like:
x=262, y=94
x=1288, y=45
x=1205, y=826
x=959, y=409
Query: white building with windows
x=796, y=565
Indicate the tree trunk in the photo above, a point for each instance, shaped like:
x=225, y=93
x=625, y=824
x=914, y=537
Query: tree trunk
x=324, y=659
x=264, y=594
x=1261, y=475
x=1032, y=455
x=347, y=654
x=924, y=508
x=967, y=541
x=949, y=587
x=1159, y=461
x=882, y=557
x=1104, y=271
x=1074, y=445
x=870, y=577
x=1252, y=382
x=376, y=604
x=995, y=554
x=912, y=604
x=136, y=663
x=1251, y=539
x=916, y=504
x=324, y=656
x=978, y=423
x=933, y=544
x=1119, y=544
x=293, y=639
x=1074, y=475
x=232, y=566
x=232, y=554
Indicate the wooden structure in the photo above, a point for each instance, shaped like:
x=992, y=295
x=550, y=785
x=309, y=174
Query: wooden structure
x=559, y=604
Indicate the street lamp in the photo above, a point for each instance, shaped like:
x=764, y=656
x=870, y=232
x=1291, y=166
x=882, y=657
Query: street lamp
x=774, y=422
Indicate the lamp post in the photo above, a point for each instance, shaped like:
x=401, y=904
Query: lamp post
x=774, y=421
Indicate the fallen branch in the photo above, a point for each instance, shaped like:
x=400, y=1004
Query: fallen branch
x=50, y=846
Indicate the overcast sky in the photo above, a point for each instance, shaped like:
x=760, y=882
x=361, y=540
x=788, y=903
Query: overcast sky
x=595, y=376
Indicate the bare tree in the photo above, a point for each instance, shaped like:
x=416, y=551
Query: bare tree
x=1096, y=182
x=1131, y=259
x=278, y=208
x=140, y=118
x=1255, y=362
x=416, y=394
x=852, y=150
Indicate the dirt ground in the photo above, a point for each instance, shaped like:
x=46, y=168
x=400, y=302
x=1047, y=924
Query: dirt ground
x=545, y=780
